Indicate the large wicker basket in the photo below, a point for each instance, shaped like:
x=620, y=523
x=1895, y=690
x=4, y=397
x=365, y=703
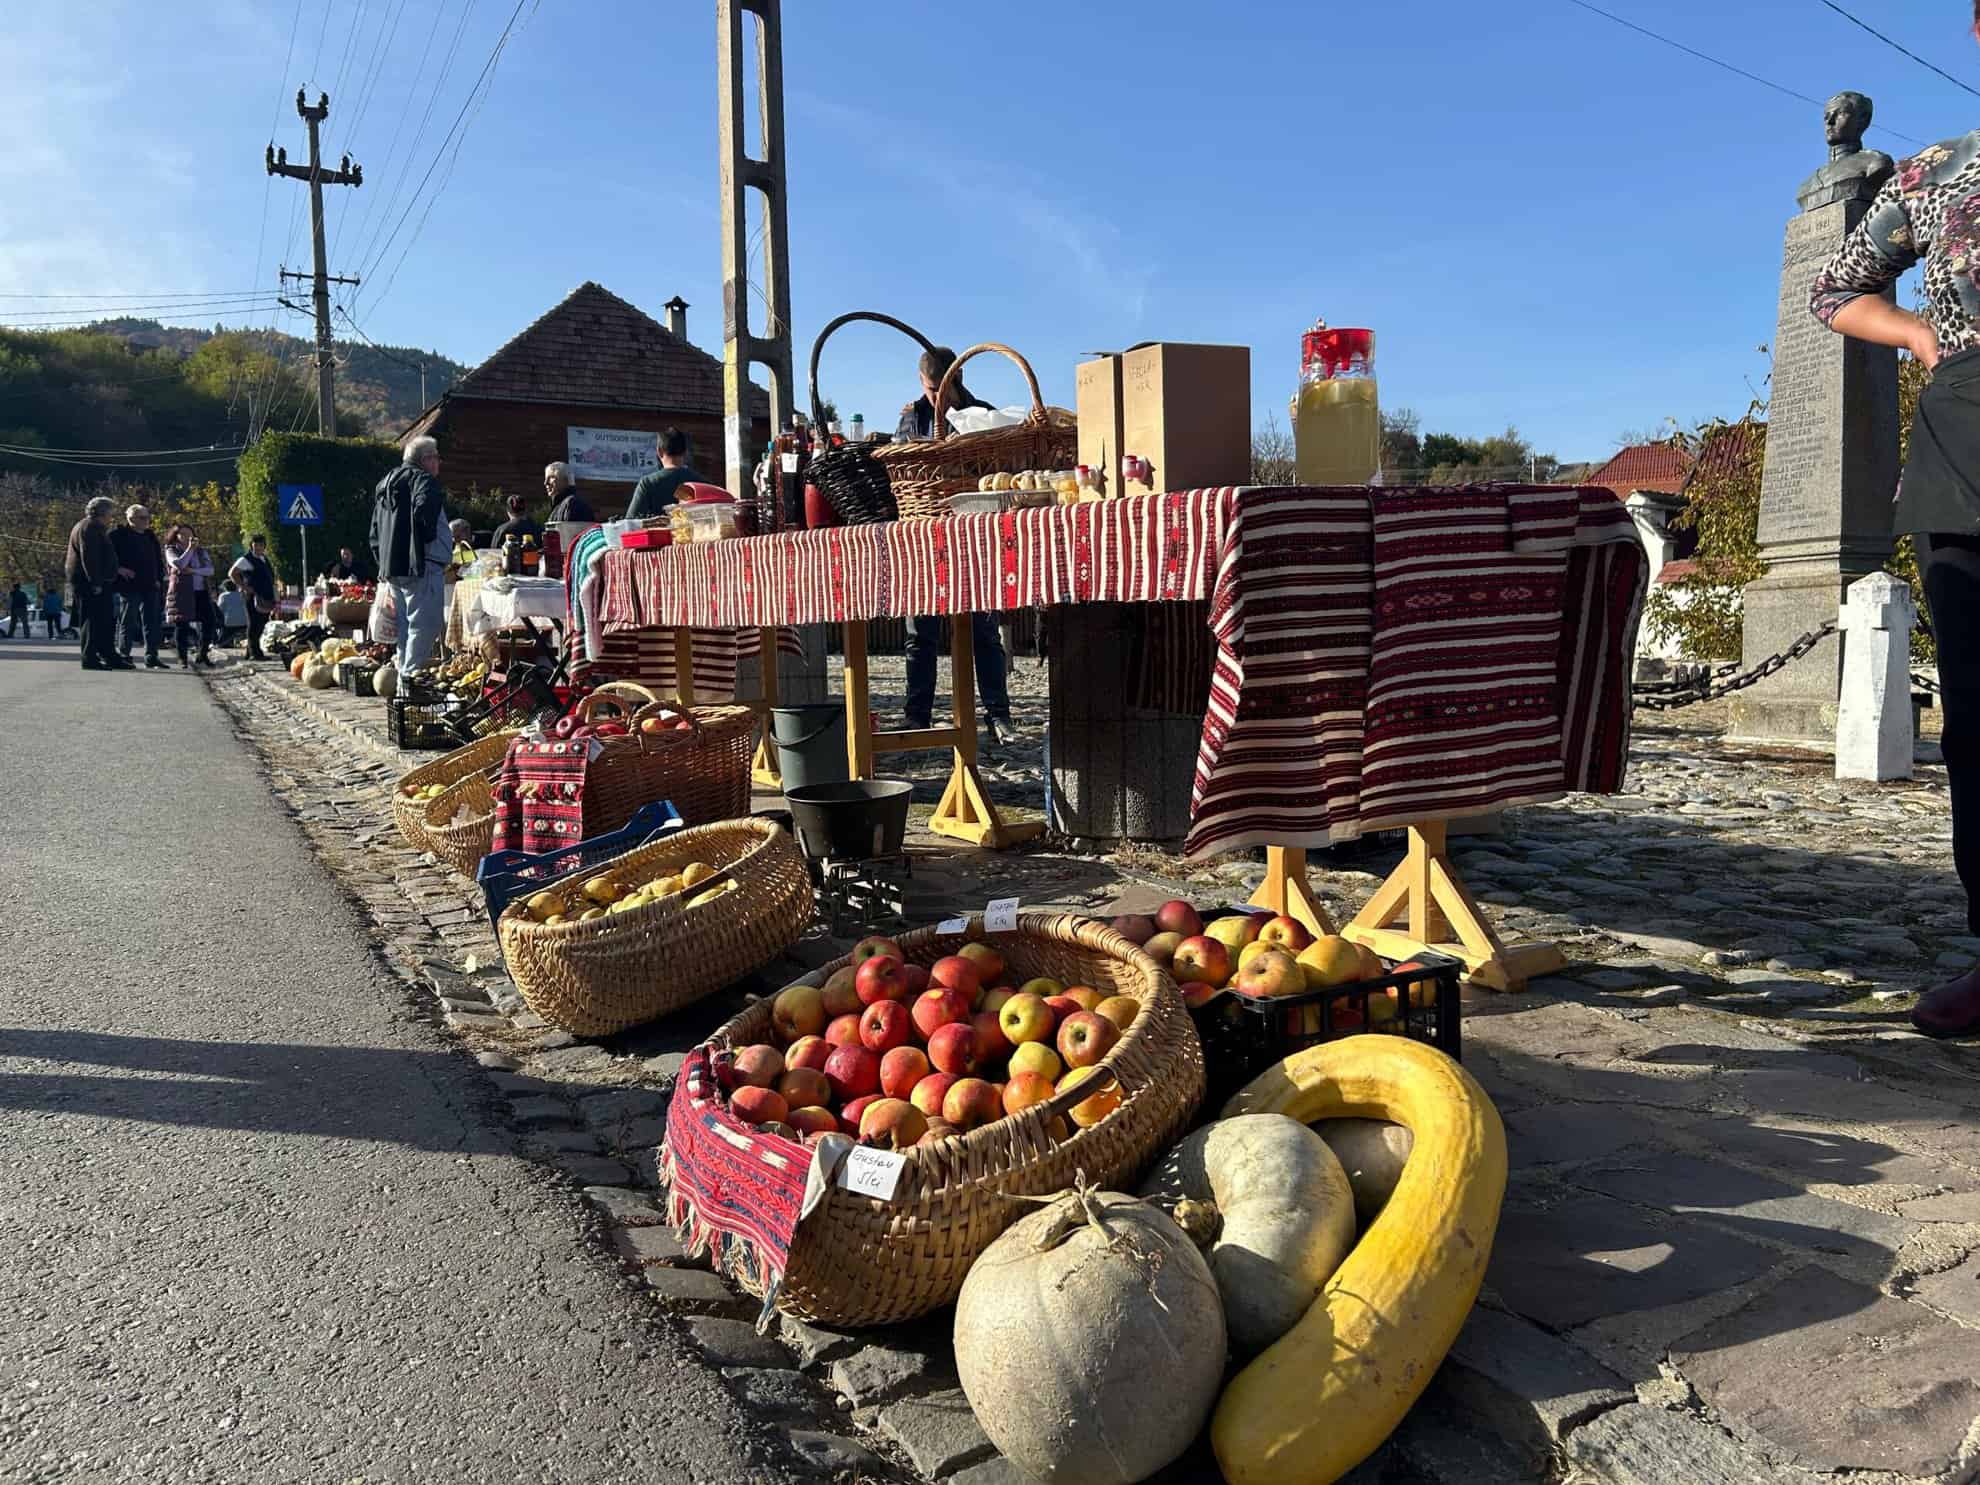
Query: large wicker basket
x=854, y=482
x=704, y=769
x=467, y=772
x=858, y=1261
x=596, y=978
x=925, y=474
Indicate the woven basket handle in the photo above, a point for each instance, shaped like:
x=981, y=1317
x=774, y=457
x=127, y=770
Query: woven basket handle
x=954, y=374
x=818, y=345
x=628, y=697
x=650, y=742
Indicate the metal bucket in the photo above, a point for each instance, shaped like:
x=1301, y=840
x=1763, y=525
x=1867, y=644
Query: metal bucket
x=811, y=744
x=851, y=820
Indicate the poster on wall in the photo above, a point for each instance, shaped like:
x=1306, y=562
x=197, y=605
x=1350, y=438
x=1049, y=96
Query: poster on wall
x=610, y=453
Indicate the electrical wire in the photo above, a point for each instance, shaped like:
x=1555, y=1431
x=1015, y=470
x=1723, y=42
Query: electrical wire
x=198, y=448
x=232, y=304
x=1894, y=46
x=108, y=464
x=1691, y=51
x=142, y=294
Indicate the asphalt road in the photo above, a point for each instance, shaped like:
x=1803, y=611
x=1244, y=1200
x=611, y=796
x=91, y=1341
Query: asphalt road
x=258, y=1222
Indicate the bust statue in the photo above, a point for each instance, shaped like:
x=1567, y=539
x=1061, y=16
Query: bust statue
x=1853, y=173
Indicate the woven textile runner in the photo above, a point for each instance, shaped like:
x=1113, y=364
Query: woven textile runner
x=539, y=795
x=729, y=1191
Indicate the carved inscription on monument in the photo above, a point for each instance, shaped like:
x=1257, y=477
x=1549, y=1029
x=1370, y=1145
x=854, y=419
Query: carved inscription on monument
x=1800, y=491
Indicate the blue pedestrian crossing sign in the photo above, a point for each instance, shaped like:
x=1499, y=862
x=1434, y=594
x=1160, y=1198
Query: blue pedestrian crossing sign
x=301, y=505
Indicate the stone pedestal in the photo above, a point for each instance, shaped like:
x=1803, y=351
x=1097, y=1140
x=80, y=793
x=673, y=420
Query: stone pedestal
x=1825, y=501
x=1875, y=724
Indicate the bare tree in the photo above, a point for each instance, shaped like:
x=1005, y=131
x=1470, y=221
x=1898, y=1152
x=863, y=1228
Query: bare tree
x=1272, y=457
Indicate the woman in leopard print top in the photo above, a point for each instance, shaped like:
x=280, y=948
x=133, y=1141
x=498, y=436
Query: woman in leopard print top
x=1930, y=210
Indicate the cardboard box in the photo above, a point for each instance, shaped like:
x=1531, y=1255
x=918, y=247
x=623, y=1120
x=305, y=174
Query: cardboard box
x=1186, y=409
x=1098, y=405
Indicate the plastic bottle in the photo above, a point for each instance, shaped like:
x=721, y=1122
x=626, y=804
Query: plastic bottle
x=859, y=428
x=1337, y=421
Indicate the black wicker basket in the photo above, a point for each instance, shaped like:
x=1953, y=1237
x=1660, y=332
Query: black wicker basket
x=854, y=483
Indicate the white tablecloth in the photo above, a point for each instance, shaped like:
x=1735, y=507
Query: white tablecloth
x=504, y=603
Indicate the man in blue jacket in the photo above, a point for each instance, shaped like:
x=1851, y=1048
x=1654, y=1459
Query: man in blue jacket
x=413, y=545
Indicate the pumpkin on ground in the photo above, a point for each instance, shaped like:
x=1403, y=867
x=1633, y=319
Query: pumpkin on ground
x=1372, y=1152
x=296, y=665
x=1090, y=1340
x=385, y=681
x=1273, y=1208
x=1325, y=1395
x=318, y=676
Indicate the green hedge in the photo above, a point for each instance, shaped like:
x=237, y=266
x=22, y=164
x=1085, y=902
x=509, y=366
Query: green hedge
x=348, y=469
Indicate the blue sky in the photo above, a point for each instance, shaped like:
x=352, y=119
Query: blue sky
x=1549, y=221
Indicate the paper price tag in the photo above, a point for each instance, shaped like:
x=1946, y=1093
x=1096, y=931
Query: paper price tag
x=870, y=1172
x=790, y=462
x=953, y=925
x=1000, y=915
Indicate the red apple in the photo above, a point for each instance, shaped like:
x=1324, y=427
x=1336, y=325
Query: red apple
x=957, y=973
x=872, y=947
x=952, y=1049
x=930, y=1091
x=798, y=1010
x=1120, y=1009
x=989, y=963
x=1202, y=958
x=972, y=1102
x=881, y=978
x=885, y=1025
x=852, y=1072
x=1285, y=933
x=802, y=1088
x=1026, y=1018
x=1086, y=995
x=892, y=1124
x=1422, y=993
x=1274, y=972
x=812, y=1121
x=1196, y=993
x=1136, y=928
x=938, y=1006
x=917, y=981
x=755, y=1105
x=1062, y=1006
x=991, y=1043
x=842, y=1031
x=1176, y=916
x=808, y=1051
x=1024, y=1090
x=759, y=1066
x=850, y=1115
x=1085, y=1038
x=841, y=993
x=901, y=1069
x=1162, y=947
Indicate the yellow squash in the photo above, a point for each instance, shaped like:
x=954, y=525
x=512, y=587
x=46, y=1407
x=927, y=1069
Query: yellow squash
x=1326, y=1394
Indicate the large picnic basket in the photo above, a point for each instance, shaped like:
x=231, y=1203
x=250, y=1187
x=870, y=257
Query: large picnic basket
x=595, y=978
x=853, y=481
x=703, y=768
x=438, y=824
x=924, y=474
x=860, y=1261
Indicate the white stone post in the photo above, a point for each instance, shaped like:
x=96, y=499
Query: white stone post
x=1873, y=721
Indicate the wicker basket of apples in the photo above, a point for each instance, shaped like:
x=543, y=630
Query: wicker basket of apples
x=998, y=1064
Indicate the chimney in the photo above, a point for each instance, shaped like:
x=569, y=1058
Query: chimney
x=677, y=318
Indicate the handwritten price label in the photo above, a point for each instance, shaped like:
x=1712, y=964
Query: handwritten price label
x=953, y=925
x=874, y=1173
x=1000, y=915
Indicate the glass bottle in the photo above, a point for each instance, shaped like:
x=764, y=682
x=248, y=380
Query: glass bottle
x=1337, y=422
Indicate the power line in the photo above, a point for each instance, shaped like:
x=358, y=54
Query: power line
x=233, y=304
x=109, y=464
x=1691, y=51
x=215, y=317
x=1894, y=46
x=198, y=448
x=144, y=294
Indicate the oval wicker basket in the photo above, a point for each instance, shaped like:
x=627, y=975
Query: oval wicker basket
x=462, y=771
x=925, y=474
x=595, y=978
x=854, y=483
x=858, y=1261
x=704, y=770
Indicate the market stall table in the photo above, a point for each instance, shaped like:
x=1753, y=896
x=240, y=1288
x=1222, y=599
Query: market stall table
x=1387, y=659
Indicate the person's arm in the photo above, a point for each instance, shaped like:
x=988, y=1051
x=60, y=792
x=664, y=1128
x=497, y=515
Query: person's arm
x=1848, y=295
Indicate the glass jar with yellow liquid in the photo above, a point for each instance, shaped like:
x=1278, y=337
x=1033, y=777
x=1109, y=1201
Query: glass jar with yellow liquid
x=1337, y=423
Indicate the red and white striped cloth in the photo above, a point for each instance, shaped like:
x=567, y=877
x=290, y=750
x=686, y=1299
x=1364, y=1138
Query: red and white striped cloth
x=1384, y=656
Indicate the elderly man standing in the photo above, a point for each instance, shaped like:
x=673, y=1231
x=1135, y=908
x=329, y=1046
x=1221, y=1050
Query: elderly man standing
x=411, y=538
x=142, y=594
x=560, y=488
x=93, y=573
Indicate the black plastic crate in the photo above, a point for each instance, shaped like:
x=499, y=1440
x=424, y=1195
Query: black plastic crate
x=1243, y=1035
x=421, y=725
x=355, y=676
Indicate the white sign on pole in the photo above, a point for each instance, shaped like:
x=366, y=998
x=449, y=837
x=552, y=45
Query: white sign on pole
x=611, y=453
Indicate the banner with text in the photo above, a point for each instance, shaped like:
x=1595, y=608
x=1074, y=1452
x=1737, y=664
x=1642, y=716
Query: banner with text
x=610, y=453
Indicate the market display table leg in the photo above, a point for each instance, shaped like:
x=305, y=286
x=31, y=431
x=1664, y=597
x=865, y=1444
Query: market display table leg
x=965, y=812
x=1284, y=890
x=1425, y=906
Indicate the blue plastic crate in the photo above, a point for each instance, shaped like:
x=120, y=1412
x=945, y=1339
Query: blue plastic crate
x=503, y=876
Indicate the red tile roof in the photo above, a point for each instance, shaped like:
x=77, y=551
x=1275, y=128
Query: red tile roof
x=1725, y=451
x=598, y=349
x=1672, y=572
x=1645, y=466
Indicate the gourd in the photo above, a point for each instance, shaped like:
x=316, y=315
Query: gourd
x=1090, y=1340
x=1273, y=1206
x=296, y=665
x=1372, y=1152
x=385, y=680
x=1325, y=1395
x=318, y=676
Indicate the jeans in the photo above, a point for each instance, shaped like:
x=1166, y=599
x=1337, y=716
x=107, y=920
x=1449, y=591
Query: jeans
x=422, y=604
x=142, y=612
x=924, y=641
x=1952, y=588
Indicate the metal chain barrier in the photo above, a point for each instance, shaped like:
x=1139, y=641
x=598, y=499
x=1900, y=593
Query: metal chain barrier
x=1712, y=685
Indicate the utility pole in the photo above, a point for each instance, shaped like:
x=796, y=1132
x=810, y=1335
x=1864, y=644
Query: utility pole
x=348, y=175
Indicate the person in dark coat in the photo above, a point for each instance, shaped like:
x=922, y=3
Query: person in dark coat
x=656, y=493
x=348, y=568
x=256, y=576
x=560, y=489
x=189, y=593
x=520, y=524
x=141, y=596
x=414, y=543
x=93, y=573
x=17, y=612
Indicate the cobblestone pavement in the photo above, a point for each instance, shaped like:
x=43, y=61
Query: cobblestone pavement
x=1742, y=1239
